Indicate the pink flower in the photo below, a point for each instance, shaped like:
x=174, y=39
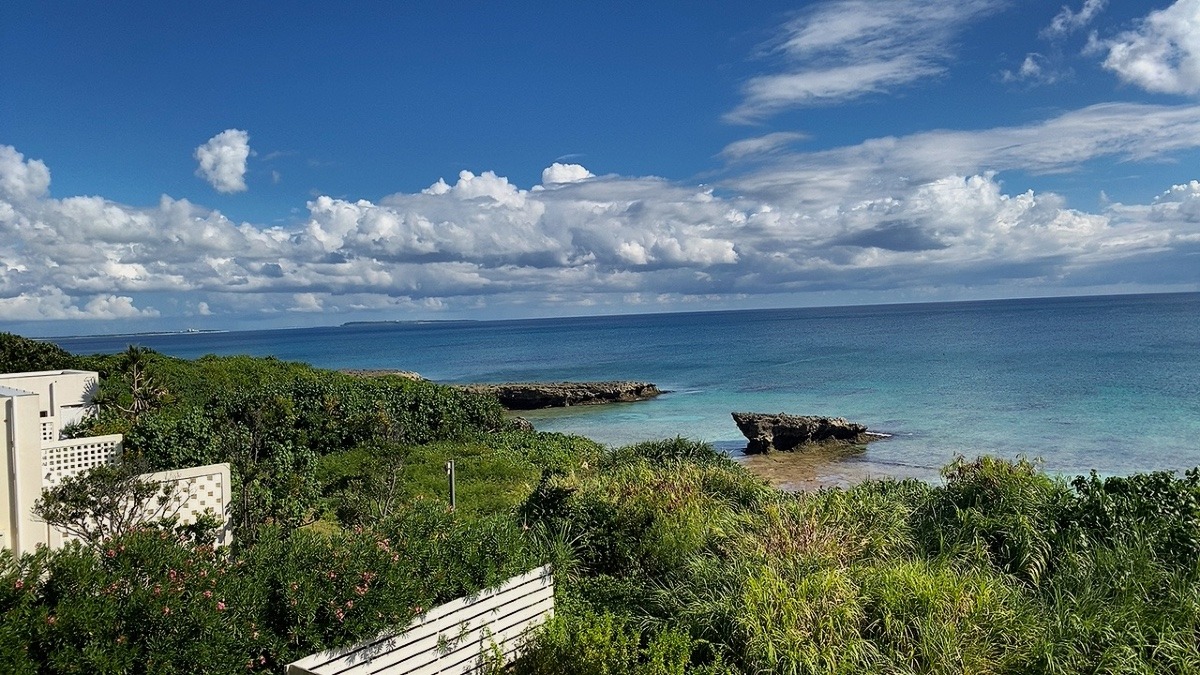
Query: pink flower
x=20, y=584
x=208, y=594
x=220, y=606
x=166, y=610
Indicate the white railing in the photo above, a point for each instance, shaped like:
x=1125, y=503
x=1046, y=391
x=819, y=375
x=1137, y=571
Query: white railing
x=457, y=637
x=61, y=459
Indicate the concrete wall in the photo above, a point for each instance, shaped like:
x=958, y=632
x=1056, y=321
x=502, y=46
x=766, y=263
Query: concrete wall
x=33, y=409
x=63, y=395
x=22, y=464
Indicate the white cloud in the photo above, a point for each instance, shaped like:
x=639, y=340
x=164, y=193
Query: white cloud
x=1162, y=54
x=1068, y=21
x=1180, y=202
x=21, y=180
x=565, y=173
x=1126, y=131
x=919, y=211
x=1035, y=69
x=847, y=48
x=223, y=160
x=52, y=303
x=306, y=302
x=760, y=145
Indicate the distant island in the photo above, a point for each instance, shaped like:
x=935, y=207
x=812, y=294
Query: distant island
x=149, y=333
x=410, y=322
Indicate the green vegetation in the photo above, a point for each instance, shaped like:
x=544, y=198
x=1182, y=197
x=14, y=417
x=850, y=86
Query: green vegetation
x=669, y=557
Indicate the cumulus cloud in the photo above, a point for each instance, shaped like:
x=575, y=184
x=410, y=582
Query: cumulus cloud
x=1162, y=54
x=52, y=303
x=918, y=211
x=565, y=173
x=21, y=180
x=844, y=49
x=1068, y=21
x=1180, y=202
x=222, y=160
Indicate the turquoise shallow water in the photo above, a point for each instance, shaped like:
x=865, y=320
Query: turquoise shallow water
x=1110, y=383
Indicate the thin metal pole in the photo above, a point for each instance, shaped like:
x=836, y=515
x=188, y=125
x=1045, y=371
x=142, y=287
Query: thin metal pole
x=450, y=475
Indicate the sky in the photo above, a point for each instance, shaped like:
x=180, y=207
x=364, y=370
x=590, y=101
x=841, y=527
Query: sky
x=238, y=165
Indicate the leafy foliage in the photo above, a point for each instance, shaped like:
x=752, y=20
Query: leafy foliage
x=104, y=502
x=20, y=354
x=669, y=557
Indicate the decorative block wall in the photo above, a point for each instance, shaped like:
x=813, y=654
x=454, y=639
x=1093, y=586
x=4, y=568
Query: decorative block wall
x=61, y=459
x=198, y=490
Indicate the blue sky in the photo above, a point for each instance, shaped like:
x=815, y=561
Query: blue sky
x=237, y=165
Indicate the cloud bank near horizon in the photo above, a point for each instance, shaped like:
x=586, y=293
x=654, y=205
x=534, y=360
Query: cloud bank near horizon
x=928, y=210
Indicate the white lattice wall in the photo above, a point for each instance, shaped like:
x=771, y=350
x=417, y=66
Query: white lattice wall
x=198, y=490
x=61, y=459
x=194, y=491
x=49, y=434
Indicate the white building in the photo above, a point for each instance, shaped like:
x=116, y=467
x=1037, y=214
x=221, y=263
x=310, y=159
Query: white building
x=34, y=409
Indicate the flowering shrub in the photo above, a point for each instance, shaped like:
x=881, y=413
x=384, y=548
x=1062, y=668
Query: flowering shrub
x=149, y=602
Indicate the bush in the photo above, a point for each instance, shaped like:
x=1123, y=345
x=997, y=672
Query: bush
x=20, y=355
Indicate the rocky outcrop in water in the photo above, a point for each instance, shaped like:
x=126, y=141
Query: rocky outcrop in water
x=535, y=395
x=406, y=374
x=767, y=432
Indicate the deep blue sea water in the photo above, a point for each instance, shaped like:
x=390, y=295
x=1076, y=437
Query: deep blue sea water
x=1107, y=383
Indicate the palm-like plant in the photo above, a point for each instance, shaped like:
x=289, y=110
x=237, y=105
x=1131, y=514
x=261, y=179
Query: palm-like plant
x=145, y=393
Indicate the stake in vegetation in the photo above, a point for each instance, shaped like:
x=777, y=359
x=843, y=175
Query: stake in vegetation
x=668, y=556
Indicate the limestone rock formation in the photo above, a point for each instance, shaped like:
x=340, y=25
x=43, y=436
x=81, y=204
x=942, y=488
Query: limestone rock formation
x=535, y=395
x=407, y=374
x=766, y=432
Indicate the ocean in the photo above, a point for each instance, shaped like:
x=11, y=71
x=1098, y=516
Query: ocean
x=1107, y=383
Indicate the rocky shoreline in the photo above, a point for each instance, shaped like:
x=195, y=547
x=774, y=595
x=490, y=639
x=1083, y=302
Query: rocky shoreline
x=538, y=395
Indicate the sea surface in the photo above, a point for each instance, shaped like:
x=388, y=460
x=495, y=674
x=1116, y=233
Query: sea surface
x=1106, y=383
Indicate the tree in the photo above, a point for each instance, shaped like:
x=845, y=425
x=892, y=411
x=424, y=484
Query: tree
x=145, y=393
x=105, y=502
x=20, y=355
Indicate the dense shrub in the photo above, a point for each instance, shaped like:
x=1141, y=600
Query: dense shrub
x=148, y=603
x=20, y=354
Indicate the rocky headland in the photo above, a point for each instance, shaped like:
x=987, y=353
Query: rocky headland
x=537, y=395
x=767, y=432
x=407, y=374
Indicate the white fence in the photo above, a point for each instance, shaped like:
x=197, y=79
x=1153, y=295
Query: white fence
x=194, y=492
x=456, y=637
x=61, y=459
x=197, y=491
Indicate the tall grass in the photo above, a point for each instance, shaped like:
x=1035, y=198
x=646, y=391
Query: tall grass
x=1001, y=569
